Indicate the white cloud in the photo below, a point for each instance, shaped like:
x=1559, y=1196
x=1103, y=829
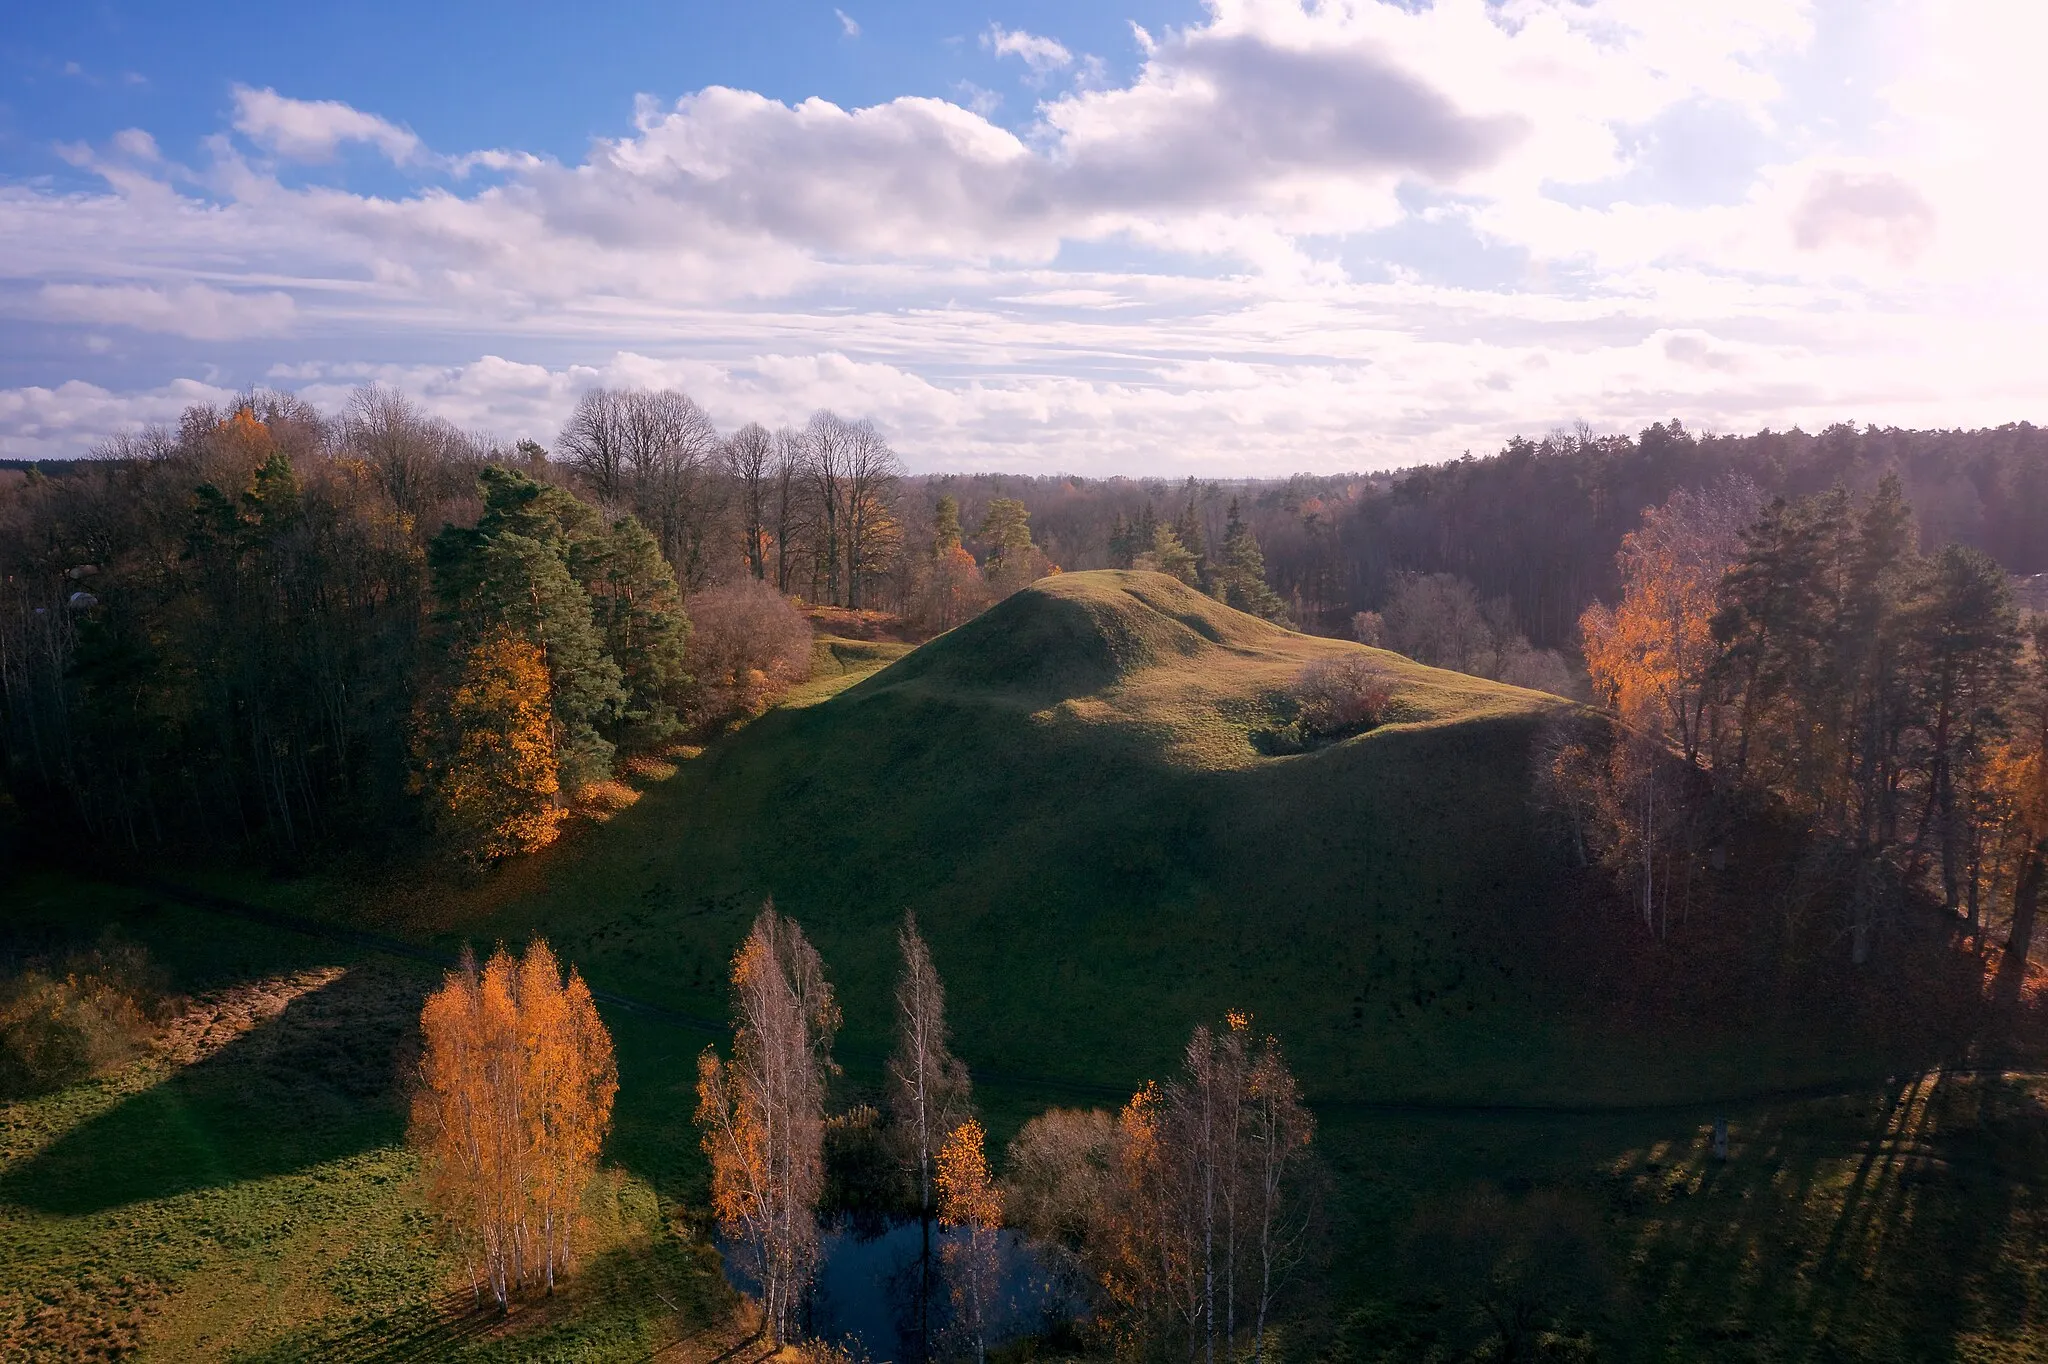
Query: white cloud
x=313, y=130
x=138, y=144
x=191, y=310
x=847, y=24
x=1041, y=56
x=1351, y=232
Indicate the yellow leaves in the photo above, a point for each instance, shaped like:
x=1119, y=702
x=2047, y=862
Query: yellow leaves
x=967, y=1197
x=489, y=754
x=517, y=1080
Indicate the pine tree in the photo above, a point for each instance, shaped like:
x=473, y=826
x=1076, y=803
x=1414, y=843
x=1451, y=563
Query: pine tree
x=945, y=528
x=1241, y=581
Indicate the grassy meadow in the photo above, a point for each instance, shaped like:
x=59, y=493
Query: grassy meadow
x=1071, y=793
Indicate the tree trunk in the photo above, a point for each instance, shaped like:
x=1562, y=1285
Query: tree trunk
x=2025, y=896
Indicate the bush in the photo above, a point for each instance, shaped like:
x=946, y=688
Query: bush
x=63, y=1021
x=1336, y=697
x=748, y=646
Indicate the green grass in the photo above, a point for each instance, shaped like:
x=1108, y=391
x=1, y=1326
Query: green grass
x=245, y=1192
x=1068, y=793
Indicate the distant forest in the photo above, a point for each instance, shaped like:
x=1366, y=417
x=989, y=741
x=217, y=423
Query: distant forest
x=280, y=628
x=1539, y=523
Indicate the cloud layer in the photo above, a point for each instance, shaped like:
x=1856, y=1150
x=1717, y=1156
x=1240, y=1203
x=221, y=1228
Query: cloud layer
x=1328, y=236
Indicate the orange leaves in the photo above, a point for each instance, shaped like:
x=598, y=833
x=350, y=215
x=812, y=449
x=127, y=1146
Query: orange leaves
x=488, y=753
x=967, y=1197
x=762, y=1114
x=1649, y=656
x=516, y=1087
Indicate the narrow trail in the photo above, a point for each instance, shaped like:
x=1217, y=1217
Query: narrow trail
x=1707, y=1107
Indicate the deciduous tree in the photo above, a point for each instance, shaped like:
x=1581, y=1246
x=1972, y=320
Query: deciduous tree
x=516, y=1082
x=762, y=1114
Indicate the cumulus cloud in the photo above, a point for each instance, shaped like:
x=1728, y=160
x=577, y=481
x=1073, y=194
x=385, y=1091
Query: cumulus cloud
x=313, y=130
x=1347, y=232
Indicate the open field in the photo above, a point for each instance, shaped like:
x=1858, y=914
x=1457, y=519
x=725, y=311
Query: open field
x=1069, y=793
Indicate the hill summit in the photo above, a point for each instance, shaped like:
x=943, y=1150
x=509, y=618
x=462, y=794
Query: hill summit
x=1077, y=633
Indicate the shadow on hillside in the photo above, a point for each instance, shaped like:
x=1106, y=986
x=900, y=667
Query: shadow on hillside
x=1876, y=1228
x=317, y=1082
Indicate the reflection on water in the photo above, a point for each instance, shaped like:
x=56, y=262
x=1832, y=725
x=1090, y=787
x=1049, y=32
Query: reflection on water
x=874, y=1285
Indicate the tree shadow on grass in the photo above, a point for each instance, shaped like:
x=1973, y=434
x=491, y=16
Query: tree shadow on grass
x=317, y=1082
x=1878, y=1228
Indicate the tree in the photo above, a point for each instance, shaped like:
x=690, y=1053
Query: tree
x=516, y=1082
x=872, y=531
x=749, y=456
x=594, y=440
x=1013, y=561
x=929, y=1092
x=1965, y=645
x=1204, y=1207
x=762, y=1115
x=1241, y=579
x=487, y=756
x=970, y=1203
x=1169, y=556
x=638, y=612
x=945, y=527
x=1650, y=655
x=749, y=646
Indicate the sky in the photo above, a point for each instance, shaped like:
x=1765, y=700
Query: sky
x=1225, y=237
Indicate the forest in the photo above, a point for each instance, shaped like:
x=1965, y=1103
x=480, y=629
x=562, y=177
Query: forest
x=1732, y=747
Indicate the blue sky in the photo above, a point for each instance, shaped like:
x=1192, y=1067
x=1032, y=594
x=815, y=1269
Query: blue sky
x=1246, y=236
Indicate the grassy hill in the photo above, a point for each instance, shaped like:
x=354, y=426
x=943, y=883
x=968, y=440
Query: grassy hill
x=1070, y=793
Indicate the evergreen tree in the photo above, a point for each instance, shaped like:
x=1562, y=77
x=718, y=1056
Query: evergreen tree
x=1169, y=556
x=945, y=528
x=1241, y=579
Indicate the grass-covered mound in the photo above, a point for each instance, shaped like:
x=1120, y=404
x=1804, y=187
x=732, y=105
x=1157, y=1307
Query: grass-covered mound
x=1070, y=793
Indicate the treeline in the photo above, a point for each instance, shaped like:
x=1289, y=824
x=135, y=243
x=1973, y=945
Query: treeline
x=1806, y=659
x=1536, y=525
x=271, y=629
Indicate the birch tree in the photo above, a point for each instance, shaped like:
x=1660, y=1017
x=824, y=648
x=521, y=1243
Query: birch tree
x=516, y=1082
x=762, y=1114
x=929, y=1092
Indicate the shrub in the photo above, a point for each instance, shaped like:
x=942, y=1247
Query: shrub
x=63, y=1021
x=1339, y=696
x=748, y=646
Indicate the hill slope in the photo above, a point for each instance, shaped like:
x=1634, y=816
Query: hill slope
x=1067, y=792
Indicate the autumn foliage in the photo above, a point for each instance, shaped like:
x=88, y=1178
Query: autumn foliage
x=1203, y=1209
x=972, y=1206
x=762, y=1114
x=515, y=1096
x=488, y=754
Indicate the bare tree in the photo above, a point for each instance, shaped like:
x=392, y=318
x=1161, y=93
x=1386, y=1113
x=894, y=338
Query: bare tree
x=871, y=531
x=594, y=441
x=928, y=1087
x=748, y=456
x=396, y=439
x=669, y=444
x=789, y=502
x=828, y=441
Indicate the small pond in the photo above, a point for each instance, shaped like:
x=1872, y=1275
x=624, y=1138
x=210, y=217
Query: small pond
x=868, y=1292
